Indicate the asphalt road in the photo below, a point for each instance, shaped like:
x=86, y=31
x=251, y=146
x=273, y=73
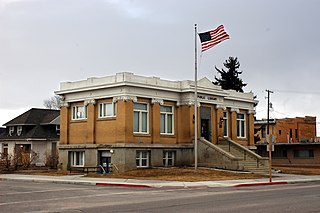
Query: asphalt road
x=49, y=197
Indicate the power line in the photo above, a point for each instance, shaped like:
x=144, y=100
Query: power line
x=296, y=91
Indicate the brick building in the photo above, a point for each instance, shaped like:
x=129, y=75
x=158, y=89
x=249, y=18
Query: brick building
x=295, y=141
x=287, y=130
x=133, y=121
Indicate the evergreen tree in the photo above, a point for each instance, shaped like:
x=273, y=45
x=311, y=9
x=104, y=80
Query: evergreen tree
x=230, y=77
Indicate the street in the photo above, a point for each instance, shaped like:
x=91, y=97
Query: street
x=16, y=196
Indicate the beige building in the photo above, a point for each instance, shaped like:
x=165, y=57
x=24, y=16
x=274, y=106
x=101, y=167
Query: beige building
x=126, y=121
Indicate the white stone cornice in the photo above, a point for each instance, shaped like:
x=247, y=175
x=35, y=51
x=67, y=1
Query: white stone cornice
x=89, y=101
x=187, y=103
x=219, y=106
x=157, y=100
x=64, y=104
x=237, y=110
x=125, y=98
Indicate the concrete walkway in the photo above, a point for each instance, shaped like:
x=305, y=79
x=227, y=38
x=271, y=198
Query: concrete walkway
x=80, y=179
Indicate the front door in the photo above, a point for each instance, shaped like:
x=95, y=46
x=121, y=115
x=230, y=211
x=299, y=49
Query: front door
x=205, y=129
x=205, y=123
x=105, y=162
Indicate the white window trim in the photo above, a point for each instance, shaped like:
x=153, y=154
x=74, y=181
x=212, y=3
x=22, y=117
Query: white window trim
x=166, y=158
x=226, y=124
x=239, y=122
x=74, y=160
x=141, y=159
x=19, y=130
x=75, y=112
x=140, y=118
x=166, y=120
x=103, y=106
x=11, y=130
x=58, y=129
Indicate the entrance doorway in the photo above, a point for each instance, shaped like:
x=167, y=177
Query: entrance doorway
x=205, y=123
x=205, y=129
x=104, y=161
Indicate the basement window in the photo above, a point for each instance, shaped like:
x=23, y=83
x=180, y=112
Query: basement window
x=308, y=153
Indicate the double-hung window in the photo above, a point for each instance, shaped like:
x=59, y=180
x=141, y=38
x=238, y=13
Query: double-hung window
x=141, y=118
x=166, y=120
x=77, y=158
x=107, y=110
x=241, y=125
x=79, y=112
x=19, y=130
x=58, y=129
x=142, y=159
x=11, y=130
x=168, y=158
x=225, y=124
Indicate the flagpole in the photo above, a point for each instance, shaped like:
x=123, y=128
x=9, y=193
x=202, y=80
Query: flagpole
x=195, y=101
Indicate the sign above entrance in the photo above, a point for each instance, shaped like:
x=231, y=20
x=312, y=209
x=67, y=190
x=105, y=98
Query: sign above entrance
x=207, y=97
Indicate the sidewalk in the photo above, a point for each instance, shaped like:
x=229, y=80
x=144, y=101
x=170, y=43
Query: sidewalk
x=80, y=179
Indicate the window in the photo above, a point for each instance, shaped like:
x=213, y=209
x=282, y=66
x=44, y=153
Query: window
x=11, y=130
x=168, y=158
x=19, y=130
x=279, y=153
x=77, y=158
x=58, y=129
x=263, y=132
x=79, y=112
x=280, y=132
x=225, y=124
x=141, y=118
x=5, y=150
x=308, y=153
x=296, y=131
x=166, y=119
x=142, y=159
x=107, y=110
x=241, y=125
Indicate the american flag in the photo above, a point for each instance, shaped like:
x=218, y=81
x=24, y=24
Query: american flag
x=212, y=37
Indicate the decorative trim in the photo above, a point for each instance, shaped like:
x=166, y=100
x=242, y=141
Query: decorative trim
x=125, y=98
x=219, y=106
x=251, y=111
x=237, y=110
x=89, y=101
x=187, y=103
x=64, y=104
x=157, y=100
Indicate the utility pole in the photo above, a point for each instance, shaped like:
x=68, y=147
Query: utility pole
x=269, y=139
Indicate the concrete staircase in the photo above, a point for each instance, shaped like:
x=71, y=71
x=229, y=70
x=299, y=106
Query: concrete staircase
x=249, y=160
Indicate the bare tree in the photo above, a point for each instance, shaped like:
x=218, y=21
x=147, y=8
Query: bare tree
x=53, y=102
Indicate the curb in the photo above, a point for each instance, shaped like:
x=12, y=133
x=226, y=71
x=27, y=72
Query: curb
x=125, y=185
x=260, y=184
x=165, y=186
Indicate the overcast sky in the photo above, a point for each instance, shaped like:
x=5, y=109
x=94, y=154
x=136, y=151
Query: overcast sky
x=44, y=42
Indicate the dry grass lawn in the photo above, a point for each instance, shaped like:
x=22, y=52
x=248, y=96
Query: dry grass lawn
x=180, y=174
x=299, y=170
